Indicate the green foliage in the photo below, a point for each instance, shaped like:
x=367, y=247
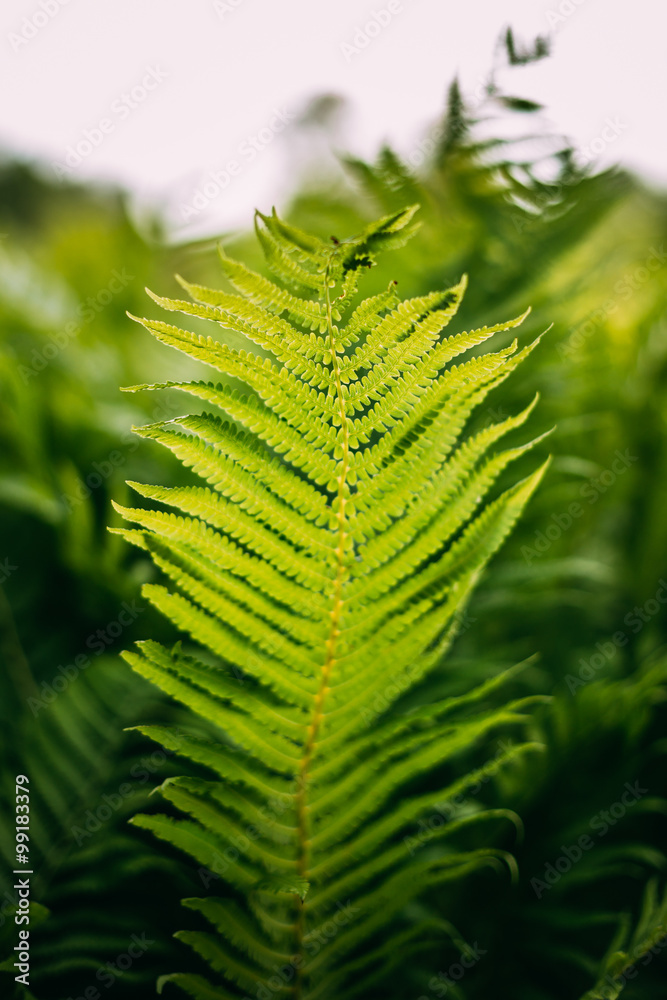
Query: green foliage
x=321, y=575
x=540, y=229
x=632, y=946
x=83, y=786
x=531, y=225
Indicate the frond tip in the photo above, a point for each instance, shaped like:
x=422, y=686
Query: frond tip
x=319, y=573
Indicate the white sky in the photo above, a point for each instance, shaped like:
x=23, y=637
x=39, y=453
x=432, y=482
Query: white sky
x=222, y=68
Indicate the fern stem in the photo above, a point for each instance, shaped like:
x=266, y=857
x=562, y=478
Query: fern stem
x=334, y=632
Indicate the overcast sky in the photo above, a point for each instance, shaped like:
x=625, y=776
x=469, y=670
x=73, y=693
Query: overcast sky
x=158, y=95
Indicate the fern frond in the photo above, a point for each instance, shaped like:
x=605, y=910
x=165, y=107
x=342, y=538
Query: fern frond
x=630, y=944
x=320, y=572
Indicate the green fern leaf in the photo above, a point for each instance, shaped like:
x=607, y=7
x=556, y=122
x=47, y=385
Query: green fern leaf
x=319, y=574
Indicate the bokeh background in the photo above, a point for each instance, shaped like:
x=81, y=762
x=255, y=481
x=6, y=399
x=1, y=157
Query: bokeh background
x=134, y=138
